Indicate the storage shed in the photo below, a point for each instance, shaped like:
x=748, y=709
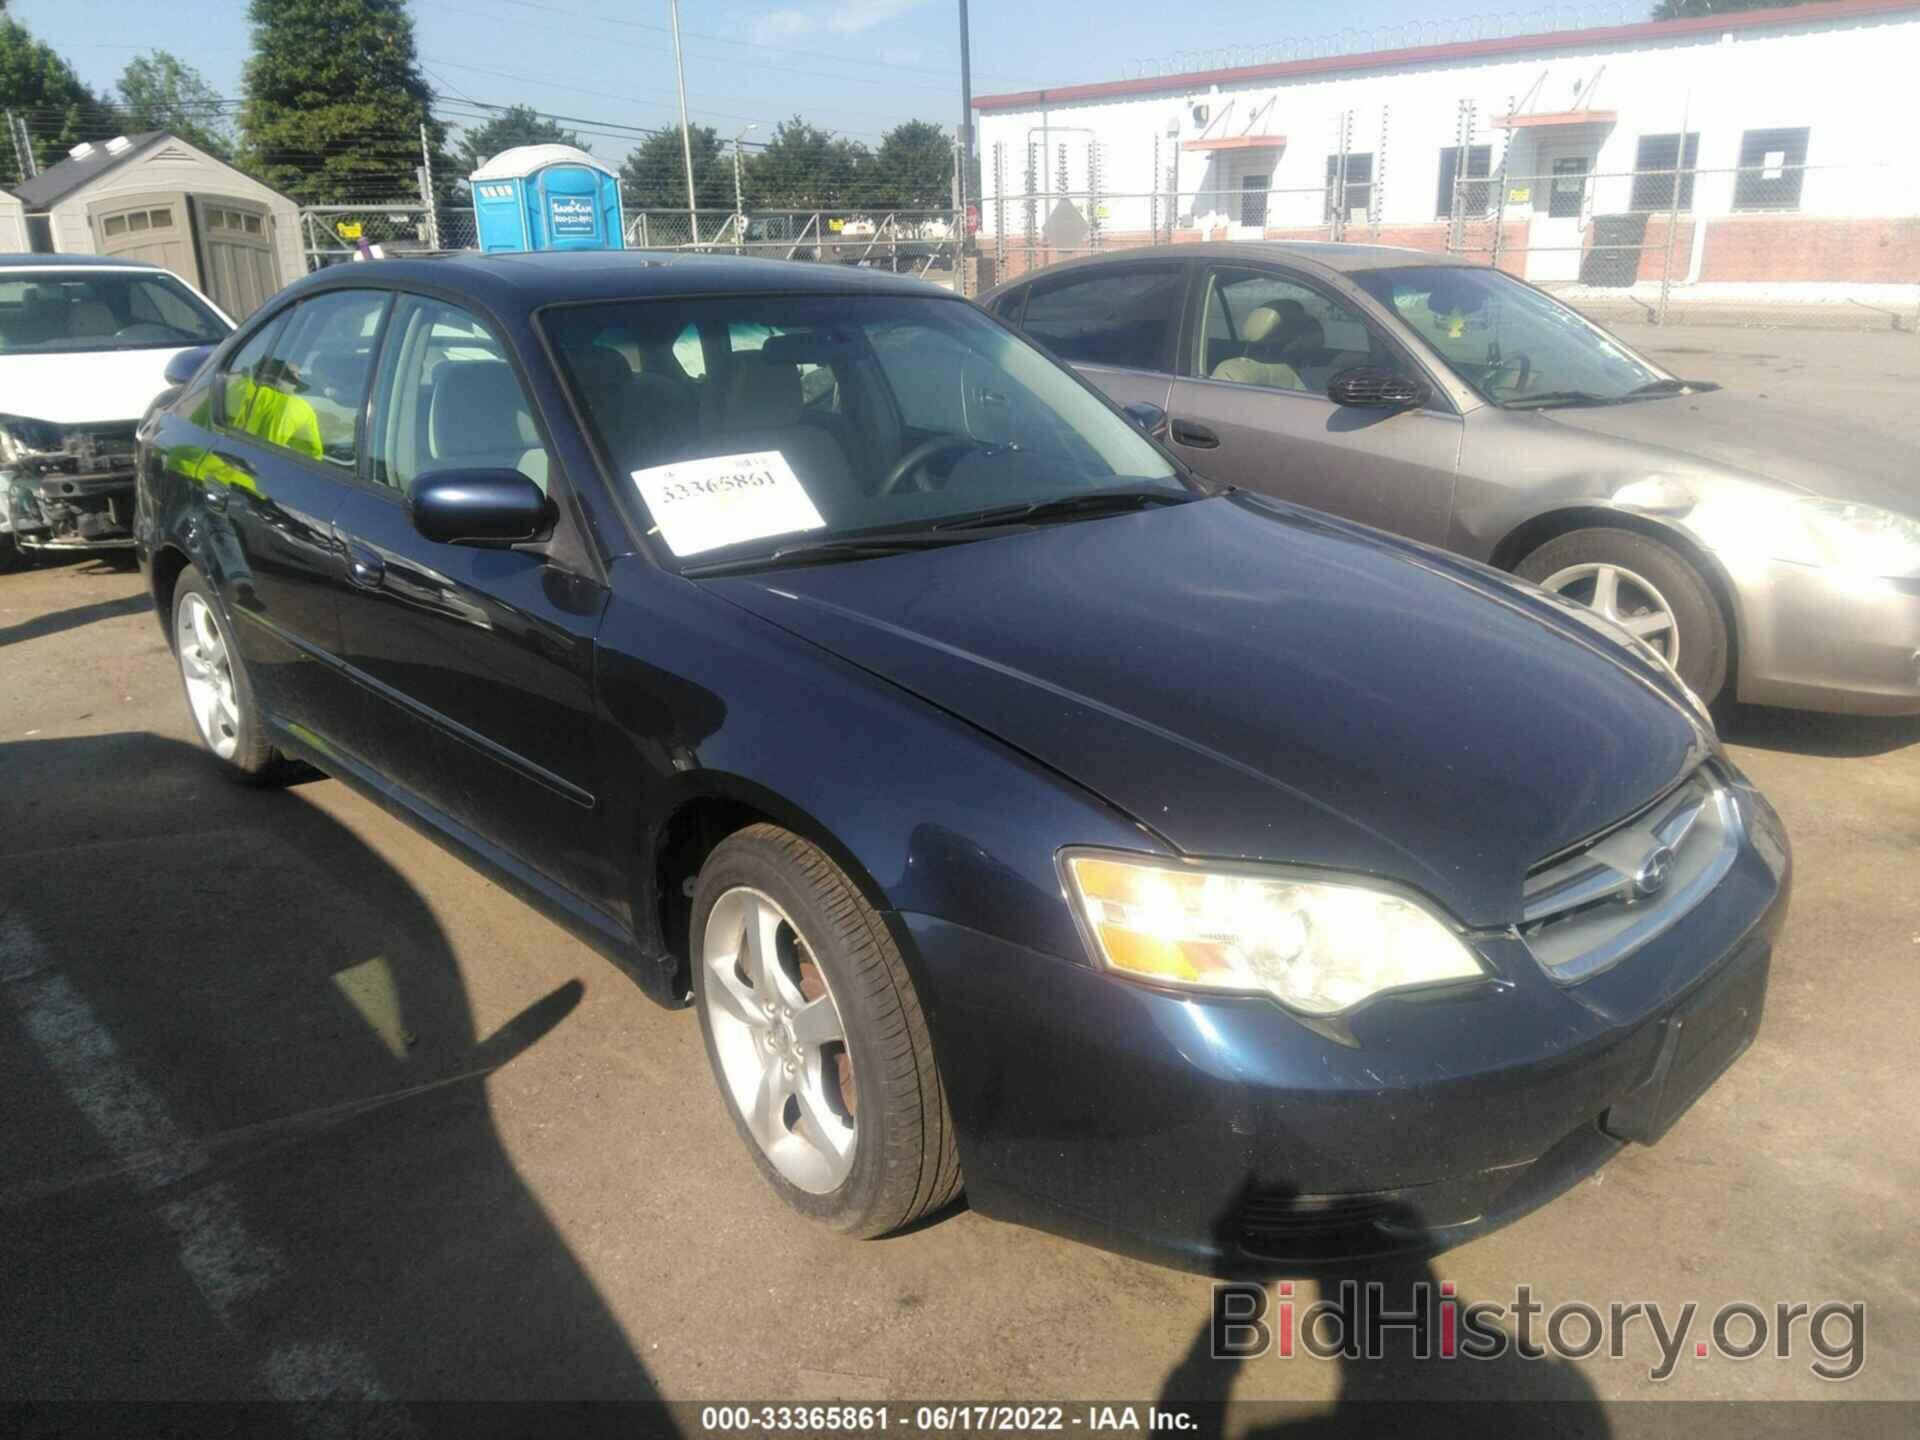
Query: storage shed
x=156, y=197
x=13, y=223
x=546, y=197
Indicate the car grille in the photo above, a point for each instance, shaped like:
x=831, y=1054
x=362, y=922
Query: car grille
x=1582, y=912
x=100, y=448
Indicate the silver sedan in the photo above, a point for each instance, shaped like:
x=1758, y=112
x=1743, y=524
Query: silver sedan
x=1768, y=554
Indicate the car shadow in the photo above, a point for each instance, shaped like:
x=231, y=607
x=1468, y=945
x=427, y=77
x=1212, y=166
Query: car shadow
x=1803, y=732
x=54, y=622
x=1397, y=1391
x=254, y=1152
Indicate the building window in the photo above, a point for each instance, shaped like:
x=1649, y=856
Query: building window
x=1359, y=196
x=1253, y=199
x=1653, y=189
x=1771, y=166
x=1476, y=193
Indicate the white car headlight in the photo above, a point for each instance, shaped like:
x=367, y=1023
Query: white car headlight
x=1808, y=530
x=1317, y=946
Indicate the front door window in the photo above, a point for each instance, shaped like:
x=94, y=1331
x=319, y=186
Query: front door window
x=1569, y=187
x=1253, y=199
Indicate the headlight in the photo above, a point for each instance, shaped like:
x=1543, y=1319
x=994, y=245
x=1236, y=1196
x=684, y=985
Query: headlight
x=1832, y=534
x=1317, y=946
x=22, y=439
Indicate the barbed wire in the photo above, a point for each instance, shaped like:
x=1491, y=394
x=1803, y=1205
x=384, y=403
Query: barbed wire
x=1405, y=35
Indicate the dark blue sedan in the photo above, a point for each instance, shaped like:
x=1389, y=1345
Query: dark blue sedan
x=1185, y=870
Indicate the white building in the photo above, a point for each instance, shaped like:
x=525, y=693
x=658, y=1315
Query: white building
x=1797, y=163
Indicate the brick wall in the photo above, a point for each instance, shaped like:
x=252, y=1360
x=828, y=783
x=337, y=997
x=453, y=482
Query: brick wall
x=1797, y=247
x=1653, y=253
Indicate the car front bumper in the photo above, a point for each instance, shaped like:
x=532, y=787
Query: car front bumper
x=68, y=512
x=1814, y=639
x=1224, y=1134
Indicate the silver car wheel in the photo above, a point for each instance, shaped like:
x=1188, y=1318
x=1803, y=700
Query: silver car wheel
x=1630, y=601
x=782, y=1046
x=208, y=671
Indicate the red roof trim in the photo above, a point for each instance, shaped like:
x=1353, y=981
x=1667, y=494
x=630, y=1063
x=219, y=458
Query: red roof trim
x=1826, y=10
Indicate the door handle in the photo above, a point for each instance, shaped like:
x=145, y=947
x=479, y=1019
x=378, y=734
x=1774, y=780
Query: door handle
x=364, y=567
x=1185, y=432
x=218, y=493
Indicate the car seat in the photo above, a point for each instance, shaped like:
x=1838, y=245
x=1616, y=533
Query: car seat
x=477, y=418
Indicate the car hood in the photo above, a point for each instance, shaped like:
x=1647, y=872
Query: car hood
x=83, y=387
x=1811, y=450
x=1251, y=681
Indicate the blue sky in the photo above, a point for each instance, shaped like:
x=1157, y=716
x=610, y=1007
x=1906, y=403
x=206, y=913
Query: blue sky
x=853, y=66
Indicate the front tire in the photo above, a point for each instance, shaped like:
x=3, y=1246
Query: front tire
x=816, y=1037
x=12, y=557
x=1647, y=587
x=219, y=694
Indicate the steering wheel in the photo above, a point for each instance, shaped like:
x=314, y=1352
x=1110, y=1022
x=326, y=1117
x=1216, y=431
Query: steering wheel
x=915, y=460
x=1522, y=366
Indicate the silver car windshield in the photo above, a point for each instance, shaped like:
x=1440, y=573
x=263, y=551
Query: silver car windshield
x=48, y=312
x=1513, y=344
x=755, y=423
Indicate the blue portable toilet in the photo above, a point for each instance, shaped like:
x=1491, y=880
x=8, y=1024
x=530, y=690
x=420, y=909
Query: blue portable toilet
x=546, y=197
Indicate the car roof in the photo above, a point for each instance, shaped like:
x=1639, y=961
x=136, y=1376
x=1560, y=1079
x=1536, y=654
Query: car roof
x=1337, y=256
x=73, y=262
x=526, y=280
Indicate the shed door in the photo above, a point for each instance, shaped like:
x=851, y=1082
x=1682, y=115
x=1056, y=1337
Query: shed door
x=236, y=241
x=151, y=228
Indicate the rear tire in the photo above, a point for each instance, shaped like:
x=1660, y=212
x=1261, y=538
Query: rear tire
x=219, y=694
x=1645, y=577
x=819, y=1047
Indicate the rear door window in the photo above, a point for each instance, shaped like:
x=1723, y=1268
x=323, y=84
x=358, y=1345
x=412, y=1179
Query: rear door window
x=1124, y=317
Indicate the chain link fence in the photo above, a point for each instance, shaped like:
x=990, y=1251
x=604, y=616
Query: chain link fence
x=919, y=242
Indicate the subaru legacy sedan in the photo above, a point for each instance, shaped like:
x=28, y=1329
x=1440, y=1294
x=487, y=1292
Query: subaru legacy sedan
x=1183, y=870
x=1769, y=554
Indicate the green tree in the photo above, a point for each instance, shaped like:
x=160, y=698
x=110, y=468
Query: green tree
x=1687, y=9
x=654, y=176
x=806, y=168
x=335, y=101
x=159, y=91
x=42, y=89
x=913, y=169
x=517, y=125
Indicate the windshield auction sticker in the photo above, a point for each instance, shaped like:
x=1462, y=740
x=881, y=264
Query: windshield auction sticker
x=702, y=505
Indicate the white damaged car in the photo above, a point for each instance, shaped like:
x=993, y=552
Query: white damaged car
x=84, y=345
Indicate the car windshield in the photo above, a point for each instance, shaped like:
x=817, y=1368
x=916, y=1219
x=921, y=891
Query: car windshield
x=757, y=424
x=53, y=311
x=1513, y=344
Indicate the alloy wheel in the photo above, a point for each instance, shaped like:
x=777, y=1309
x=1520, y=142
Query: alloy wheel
x=1630, y=601
x=780, y=1039
x=207, y=669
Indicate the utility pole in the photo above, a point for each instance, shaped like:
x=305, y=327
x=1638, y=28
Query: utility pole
x=964, y=165
x=426, y=189
x=22, y=146
x=686, y=135
x=739, y=200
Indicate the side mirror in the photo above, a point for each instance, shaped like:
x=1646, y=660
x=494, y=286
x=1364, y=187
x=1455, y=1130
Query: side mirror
x=1148, y=416
x=1377, y=390
x=479, y=507
x=185, y=365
